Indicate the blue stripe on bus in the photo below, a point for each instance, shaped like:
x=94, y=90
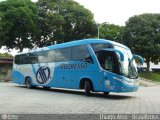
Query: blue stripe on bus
x=44, y=76
x=41, y=75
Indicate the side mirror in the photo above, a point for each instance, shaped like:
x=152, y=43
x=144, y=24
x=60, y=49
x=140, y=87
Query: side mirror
x=139, y=58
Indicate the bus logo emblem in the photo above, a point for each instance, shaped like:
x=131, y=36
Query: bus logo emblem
x=43, y=75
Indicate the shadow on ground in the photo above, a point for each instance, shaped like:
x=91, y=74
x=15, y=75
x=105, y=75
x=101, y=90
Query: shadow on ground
x=81, y=92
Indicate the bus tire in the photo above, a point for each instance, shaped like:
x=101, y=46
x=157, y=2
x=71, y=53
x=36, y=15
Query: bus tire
x=106, y=93
x=28, y=83
x=87, y=88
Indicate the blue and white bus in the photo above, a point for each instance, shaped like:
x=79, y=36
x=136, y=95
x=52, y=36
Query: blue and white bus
x=91, y=64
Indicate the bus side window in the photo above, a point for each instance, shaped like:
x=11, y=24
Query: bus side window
x=40, y=57
x=33, y=59
x=81, y=53
x=17, y=59
x=51, y=56
x=21, y=59
x=24, y=59
x=63, y=54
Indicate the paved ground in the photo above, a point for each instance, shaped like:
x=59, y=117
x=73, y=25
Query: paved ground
x=18, y=99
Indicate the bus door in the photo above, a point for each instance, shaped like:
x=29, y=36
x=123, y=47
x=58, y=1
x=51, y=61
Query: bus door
x=109, y=63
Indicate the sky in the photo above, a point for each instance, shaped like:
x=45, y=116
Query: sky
x=117, y=11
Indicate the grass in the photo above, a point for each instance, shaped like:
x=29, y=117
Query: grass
x=150, y=76
x=158, y=73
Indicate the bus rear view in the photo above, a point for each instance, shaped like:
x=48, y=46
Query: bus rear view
x=92, y=64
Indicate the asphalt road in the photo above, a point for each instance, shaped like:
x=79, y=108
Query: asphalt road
x=15, y=99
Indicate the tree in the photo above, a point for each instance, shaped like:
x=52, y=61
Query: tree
x=142, y=35
x=111, y=32
x=18, y=21
x=64, y=20
x=6, y=55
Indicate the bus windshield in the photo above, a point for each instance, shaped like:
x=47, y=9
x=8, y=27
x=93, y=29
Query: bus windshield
x=128, y=66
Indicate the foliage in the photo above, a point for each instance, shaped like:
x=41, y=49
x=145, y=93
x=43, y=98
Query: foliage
x=18, y=21
x=111, y=32
x=63, y=20
x=142, y=35
x=5, y=55
x=6, y=74
x=150, y=76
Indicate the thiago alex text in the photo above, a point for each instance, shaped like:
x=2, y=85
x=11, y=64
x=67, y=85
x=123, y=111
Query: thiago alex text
x=129, y=116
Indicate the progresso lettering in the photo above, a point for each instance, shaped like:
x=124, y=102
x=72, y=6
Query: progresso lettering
x=73, y=66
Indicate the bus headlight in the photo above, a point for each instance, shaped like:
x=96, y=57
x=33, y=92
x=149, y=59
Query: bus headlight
x=130, y=80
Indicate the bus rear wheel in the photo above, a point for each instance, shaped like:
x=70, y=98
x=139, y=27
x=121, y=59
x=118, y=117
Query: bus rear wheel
x=28, y=83
x=87, y=88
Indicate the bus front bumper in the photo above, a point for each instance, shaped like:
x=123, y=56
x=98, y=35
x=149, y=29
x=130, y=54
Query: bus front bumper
x=122, y=86
x=129, y=86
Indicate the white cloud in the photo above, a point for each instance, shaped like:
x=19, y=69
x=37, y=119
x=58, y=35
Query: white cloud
x=119, y=11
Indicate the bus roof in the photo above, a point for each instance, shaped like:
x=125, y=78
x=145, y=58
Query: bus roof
x=76, y=42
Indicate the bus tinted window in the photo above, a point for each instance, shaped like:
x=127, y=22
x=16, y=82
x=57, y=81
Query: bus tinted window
x=21, y=59
x=33, y=58
x=81, y=53
x=100, y=46
x=76, y=53
x=63, y=54
x=51, y=56
x=17, y=59
x=40, y=56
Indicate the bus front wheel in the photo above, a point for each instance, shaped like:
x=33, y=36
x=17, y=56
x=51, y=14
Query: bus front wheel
x=87, y=88
x=28, y=83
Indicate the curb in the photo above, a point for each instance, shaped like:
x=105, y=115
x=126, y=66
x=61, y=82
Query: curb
x=5, y=80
